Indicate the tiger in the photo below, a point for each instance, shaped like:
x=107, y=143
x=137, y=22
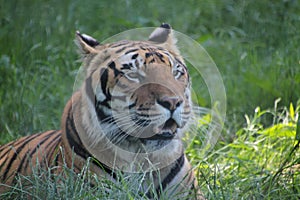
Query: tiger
x=128, y=115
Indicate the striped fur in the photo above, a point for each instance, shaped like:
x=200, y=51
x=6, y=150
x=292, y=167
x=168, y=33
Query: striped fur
x=129, y=114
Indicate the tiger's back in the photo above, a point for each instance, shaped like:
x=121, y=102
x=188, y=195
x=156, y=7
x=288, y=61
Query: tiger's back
x=21, y=156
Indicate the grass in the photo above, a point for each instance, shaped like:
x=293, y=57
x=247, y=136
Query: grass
x=255, y=45
x=259, y=163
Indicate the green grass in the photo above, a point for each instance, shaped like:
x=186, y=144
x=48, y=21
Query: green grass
x=255, y=45
x=67, y=185
x=259, y=163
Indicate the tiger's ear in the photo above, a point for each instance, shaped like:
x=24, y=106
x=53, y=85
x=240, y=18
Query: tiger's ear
x=165, y=38
x=86, y=43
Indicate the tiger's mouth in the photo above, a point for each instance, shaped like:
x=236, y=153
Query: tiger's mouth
x=166, y=131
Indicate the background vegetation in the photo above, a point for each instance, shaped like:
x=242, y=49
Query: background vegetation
x=255, y=45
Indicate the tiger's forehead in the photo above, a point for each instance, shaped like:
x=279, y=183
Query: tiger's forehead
x=127, y=52
x=148, y=51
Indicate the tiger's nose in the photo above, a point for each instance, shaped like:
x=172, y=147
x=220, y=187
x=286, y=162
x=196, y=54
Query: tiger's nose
x=170, y=103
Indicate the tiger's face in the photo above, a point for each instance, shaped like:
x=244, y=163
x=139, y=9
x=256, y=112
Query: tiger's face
x=149, y=98
x=139, y=92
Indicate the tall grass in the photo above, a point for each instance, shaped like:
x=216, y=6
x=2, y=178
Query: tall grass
x=259, y=163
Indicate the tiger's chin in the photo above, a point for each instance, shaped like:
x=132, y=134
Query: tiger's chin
x=155, y=142
x=154, y=138
x=166, y=131
x=162, y=134
x=158, y=131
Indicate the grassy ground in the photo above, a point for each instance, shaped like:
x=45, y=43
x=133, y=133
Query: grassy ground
x=255, y=45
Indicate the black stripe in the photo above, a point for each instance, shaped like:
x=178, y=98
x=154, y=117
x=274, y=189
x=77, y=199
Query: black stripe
x=119, y=44
x=129, y=46
x=127, y=66
x=39, y=145
x=13, y=158
x=89, y=89
x=72, y=139
x=104, y=80
x=130, y=51
x=132, y=105
x=142, y=47
x=75, y=143
x=13, y=143
x=156, y=54
x=93, y=99
x=174, y=171
x=27, y=157
x=105, y=58
x=180, y=63
x=57, y=156
x=100, y=113
x=7, y=147
x=122, y=49
x=160, y=56
x=134, y=56
x=151, y=61
x=148, y=54
x=53, y=148
x=112, y=65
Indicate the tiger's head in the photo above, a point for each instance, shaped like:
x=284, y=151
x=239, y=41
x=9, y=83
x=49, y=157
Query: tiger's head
x=136, y=94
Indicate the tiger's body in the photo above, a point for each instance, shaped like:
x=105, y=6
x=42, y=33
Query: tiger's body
x=129, y=115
